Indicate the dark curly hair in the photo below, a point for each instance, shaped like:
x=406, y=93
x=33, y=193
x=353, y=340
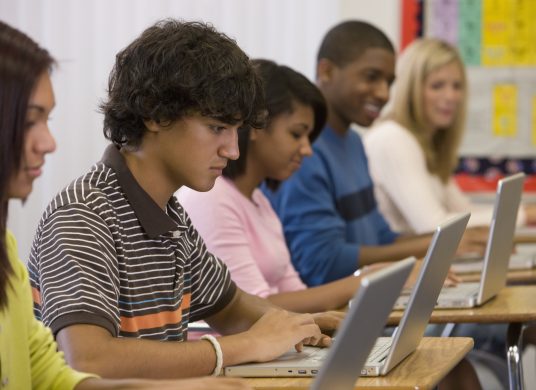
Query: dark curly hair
x=178, y=68
x=22, y=62
x=283, y=87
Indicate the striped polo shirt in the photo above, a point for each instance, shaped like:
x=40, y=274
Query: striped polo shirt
x=106, y=254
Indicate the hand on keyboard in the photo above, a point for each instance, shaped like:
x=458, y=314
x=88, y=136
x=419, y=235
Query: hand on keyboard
x=452, y=279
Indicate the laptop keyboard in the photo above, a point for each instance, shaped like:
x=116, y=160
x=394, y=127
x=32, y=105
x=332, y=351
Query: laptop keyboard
x=317, y=355
x=379, y=351
x=464, y=289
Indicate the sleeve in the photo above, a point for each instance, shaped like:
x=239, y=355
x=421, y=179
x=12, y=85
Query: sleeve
x=398, y=166
x=49, y=369
x=74, y=260
x=313, y=228
x=224, y=232
x=384, y=232
x=47, y=366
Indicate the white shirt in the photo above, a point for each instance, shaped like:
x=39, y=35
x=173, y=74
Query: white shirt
x=411, y=198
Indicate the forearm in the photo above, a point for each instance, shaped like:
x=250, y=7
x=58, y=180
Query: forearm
x=242, y=312
x=329, y=296
x=92, y=349
x=266, y=332
x=112, y=357
x=401, y=248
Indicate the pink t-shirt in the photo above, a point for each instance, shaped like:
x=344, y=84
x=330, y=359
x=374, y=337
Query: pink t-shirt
x=247, y=235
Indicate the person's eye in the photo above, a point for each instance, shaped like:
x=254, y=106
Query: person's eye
x=217, y=128
x=371, y=76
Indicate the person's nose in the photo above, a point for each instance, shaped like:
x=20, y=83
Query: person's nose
x=453, y=94
x=45, y=142
x=229, y=149
x=306, y=149
x=382, y=91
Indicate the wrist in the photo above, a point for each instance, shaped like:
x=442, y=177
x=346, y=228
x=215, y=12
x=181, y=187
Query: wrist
x=363, y=271
x=217, y=350
x=240, y=348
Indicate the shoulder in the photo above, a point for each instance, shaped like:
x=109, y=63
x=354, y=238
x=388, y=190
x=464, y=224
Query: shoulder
x=389, y=136
x=386, y=131
x=260, y=198
x=98, y=184
x=223, y=194
x=94, y=195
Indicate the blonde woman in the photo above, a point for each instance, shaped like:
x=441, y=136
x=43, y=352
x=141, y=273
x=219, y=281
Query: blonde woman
x=413, y=150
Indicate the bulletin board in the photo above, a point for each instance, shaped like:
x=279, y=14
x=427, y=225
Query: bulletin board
x=497, y=41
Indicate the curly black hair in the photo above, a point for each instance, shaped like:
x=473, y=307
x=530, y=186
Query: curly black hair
x=177, y=68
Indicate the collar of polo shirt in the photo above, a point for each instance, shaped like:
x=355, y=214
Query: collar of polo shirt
x=152, y=218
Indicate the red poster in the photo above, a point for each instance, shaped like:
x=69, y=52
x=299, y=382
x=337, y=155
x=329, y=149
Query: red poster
x=412, y=21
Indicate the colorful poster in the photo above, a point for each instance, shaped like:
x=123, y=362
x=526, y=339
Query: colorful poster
x=469, y=31
x=497, y=32
x=442, y=20
x=411, y=23
x=523, y=33
x=504, y=110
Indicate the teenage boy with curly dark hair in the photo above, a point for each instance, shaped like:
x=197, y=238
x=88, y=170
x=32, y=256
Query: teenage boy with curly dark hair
x=116, y=265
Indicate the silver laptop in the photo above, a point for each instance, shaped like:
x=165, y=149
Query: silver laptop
x=338, y=367
x=389, y=351
x=498, y=250
x=519, y=261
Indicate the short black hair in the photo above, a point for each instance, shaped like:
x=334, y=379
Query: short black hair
x=283, y=88
x=174, y=69
x=347, y=41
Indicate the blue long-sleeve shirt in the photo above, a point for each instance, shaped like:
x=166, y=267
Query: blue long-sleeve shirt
x=328, y=209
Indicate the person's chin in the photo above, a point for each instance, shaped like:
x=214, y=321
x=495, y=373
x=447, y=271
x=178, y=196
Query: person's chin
x=364, y=121
x=289, y=173
x=447, y=122
x=22, y=196
x=204, y=187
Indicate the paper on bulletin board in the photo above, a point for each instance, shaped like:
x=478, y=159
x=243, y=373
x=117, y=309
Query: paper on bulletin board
x=504, y=111
x=469, y=31
x=411, y=23
x=497, y=32
x=442, y=20
x=523, y=33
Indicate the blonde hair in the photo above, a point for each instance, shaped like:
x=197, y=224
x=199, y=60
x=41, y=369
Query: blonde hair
x=417, y=61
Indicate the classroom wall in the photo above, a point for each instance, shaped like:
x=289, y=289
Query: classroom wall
x=84, y=37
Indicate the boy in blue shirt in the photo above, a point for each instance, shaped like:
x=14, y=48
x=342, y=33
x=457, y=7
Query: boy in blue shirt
x=330, y=217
